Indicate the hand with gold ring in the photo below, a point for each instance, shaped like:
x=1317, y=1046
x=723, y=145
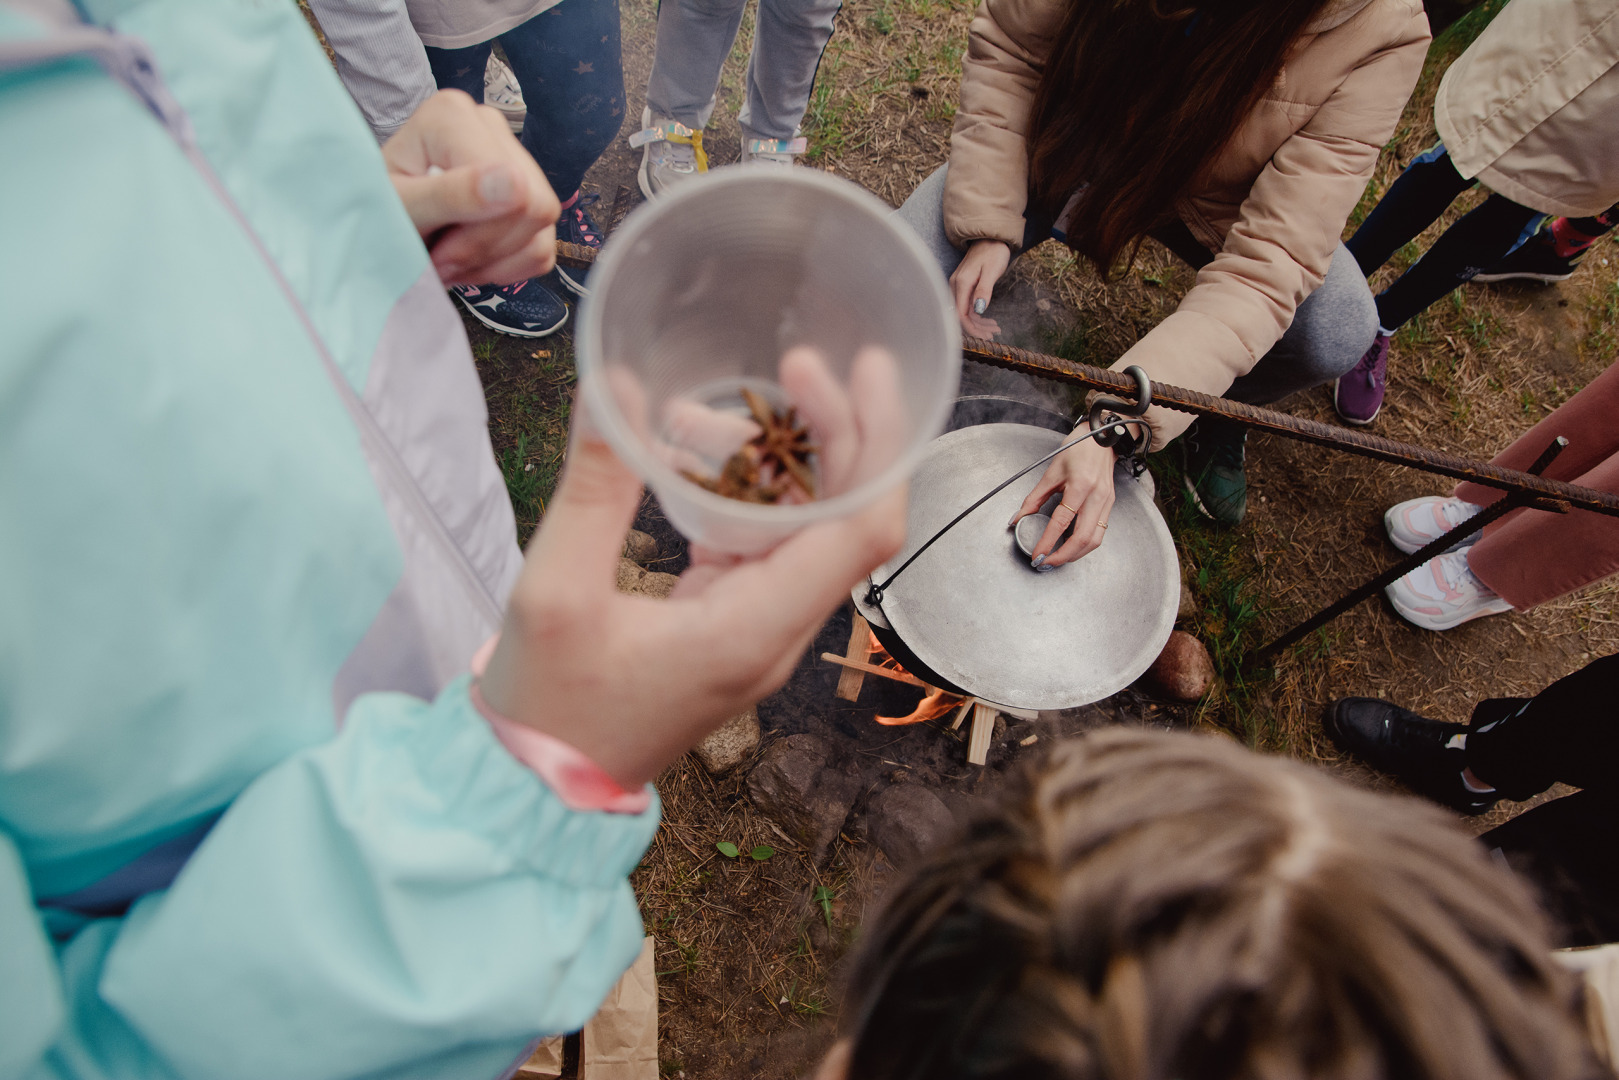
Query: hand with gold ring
x=1083, y=474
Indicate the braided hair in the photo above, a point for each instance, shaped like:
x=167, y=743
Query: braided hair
x=1172, y=907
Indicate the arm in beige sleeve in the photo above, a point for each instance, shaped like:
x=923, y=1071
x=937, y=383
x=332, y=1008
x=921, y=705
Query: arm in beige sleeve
x=1278, y=251
x=987, y=186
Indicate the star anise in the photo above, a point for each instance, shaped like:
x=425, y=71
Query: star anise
x=771, y=465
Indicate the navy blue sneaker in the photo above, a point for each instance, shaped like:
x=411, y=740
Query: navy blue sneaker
x=578, y=227
x=522, y=309
x=1536, y=260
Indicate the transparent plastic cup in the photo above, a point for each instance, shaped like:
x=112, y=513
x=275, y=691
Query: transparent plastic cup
x=705, y=292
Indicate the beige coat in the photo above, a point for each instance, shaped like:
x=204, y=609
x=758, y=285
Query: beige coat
x=1532, y=107
x=1273, y=206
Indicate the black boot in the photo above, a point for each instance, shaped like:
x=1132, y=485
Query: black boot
x=1411, y=748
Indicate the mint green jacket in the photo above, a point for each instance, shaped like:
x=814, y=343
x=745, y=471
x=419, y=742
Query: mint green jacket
x=251, y=532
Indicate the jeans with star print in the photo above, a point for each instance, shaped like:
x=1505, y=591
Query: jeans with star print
x=567, y=60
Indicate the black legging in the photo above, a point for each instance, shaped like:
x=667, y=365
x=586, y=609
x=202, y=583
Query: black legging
x=1414, y=202
x=1568, y=847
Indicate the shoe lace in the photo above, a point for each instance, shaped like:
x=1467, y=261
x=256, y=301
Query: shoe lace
x=503, y=86
x=1456, y=511
x=581, y=224
x=1460, y=577
x=1374, y=364
x=1230, y=455
x=683, y=146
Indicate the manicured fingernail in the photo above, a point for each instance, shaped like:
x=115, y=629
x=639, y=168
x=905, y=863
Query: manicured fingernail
x=980, y=306
x=495, y=186
x=1038, y=561
x=1043, y=569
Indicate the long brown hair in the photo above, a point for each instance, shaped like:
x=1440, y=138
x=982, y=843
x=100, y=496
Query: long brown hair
x=1136, y=99
x=1169, y=907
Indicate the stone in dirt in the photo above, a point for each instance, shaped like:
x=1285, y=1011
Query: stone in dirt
x=731, y=744
x=1183, y=671
x=804, y=786
x=639, y=581
x=640, y=547
x=906, y=820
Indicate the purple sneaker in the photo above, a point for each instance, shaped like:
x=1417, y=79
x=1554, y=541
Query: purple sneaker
x=1358, y=395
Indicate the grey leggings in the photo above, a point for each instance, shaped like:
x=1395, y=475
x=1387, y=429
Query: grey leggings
x=1330, y=332
x=694, y=38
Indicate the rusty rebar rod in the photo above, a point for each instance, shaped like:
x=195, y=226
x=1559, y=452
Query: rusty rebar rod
x=1544, y=494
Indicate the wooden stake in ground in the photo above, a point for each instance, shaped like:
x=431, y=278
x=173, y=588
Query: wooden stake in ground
x=852, y=679
x=983, y=730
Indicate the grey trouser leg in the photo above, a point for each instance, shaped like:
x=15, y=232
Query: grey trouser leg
x=788, y=41
x=923, y=211
x=379, y=58
x=1331, y=331
x=694, y=38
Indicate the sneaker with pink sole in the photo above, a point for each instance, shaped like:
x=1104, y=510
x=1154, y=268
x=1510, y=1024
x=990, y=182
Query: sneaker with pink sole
x=1415, y=523
x=1443, y=593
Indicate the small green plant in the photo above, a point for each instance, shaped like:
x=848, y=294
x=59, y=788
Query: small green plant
x=732, y=851
x=824, y=895
x=882, y=21
x=529, y=483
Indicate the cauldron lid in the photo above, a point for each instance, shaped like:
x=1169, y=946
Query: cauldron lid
x=973, y=610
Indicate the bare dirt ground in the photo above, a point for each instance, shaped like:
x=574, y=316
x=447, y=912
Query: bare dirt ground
x=748, y=951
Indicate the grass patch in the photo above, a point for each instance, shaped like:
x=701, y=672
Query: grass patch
x=1077, y=343
x=1231, y=609
x=529, y=385
x=1601, y=342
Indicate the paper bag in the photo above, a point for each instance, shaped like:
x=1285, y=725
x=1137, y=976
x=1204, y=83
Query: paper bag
x=545, y=1062
x=621, y=1040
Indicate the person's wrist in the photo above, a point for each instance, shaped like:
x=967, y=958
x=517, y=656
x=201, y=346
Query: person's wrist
x=1121, y=436
x=571, y=774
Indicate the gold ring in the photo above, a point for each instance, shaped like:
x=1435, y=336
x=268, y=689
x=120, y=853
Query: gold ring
x=1068, y=508
x=1101, y=524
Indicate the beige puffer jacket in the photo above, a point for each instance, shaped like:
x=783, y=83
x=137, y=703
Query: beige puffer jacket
x=1532, y=107
x=1272, y=207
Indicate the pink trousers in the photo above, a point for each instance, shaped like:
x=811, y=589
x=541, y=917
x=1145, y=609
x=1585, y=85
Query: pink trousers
x=1531, y=556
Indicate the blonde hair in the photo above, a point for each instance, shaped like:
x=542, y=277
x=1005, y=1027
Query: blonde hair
x=1169, y=907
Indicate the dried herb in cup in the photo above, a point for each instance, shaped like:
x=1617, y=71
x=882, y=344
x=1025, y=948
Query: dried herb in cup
x=773, y=466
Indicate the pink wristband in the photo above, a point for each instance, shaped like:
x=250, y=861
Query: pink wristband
x=579, y=782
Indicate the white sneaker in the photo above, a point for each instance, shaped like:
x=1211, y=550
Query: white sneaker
x=1415, y=523
x=501, y=92
x=772, y=151
x=1442, y=593
x=674, y=153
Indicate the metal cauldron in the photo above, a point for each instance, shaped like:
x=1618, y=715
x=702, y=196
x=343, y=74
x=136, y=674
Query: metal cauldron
x=971, y=616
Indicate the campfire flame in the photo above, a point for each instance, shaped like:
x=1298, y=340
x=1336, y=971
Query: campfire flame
x=934, y=704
